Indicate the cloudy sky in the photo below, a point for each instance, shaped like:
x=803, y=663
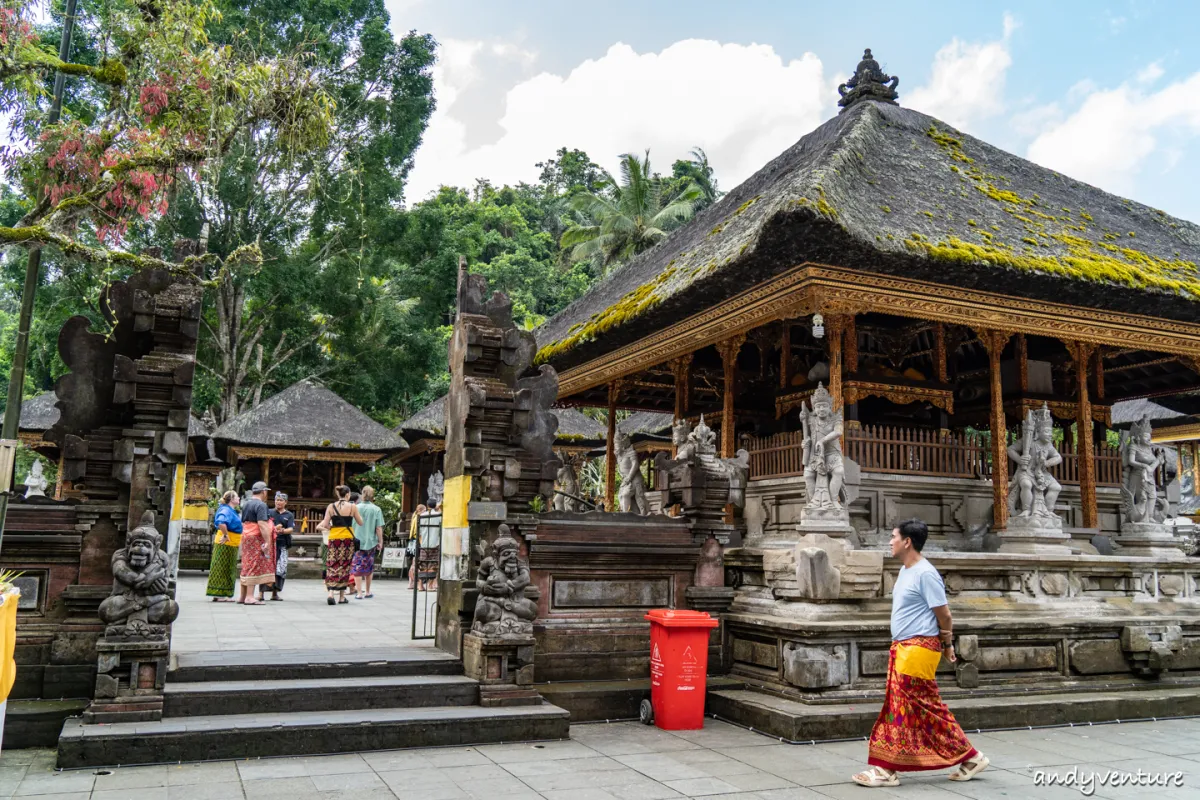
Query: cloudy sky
x=1107, y=92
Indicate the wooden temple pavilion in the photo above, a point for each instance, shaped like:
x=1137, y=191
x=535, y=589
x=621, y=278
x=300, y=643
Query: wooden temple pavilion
x=937, y=285
x=304, y=441
x=425, y=433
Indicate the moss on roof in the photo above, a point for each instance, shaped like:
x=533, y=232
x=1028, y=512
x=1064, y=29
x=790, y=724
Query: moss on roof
x=886, y=189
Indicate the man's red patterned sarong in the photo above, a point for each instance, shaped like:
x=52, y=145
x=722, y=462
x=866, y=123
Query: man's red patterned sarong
x=915, y=730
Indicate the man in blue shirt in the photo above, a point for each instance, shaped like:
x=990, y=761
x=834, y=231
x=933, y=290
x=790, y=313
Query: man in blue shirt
x=915, y=730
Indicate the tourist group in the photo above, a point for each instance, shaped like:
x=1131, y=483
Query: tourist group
x=352, y=531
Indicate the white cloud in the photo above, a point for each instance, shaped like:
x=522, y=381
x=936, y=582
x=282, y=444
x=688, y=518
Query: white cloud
x=967, y=83
x=1150, y=73
x=1108, y=140
x=742, y=103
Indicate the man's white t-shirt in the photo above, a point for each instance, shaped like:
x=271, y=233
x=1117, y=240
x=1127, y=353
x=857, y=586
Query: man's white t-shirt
x=918, y=590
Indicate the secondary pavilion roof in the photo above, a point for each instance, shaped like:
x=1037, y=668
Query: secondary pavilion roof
x=39, y=413
x=430, y=422
x=885, y=189
x=308, y=415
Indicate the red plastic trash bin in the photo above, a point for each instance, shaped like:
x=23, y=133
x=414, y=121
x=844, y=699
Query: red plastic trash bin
x=678, y=667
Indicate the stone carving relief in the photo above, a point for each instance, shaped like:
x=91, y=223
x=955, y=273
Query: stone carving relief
x=140, y=607
x=502, y=608
x=703, y=483
x=437, y=488
x=1033, y=490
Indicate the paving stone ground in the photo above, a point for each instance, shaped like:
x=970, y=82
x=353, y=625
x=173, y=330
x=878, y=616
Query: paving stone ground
x=301, y=621
x=627, y=761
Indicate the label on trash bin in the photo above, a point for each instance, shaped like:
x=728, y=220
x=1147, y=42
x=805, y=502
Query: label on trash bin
x=656, y=667
x=689, y=671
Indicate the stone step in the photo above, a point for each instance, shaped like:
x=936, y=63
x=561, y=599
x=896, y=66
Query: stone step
x=237, y=736
x=206, y=698
x=796, y=721
x=281, y=665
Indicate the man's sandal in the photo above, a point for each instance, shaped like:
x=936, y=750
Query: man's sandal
x=876, y=777
x=970, y=768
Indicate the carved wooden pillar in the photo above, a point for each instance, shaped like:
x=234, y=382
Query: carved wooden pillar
x=729, y=350
x=994, y=342
x=1022, y=363
x=785, y=356
x=941, y=368
x=58, y=481
x=851, y=355
x=1082, y=352
x=681, y=369
x=1195, y=469
x=610, y=453
x=267, y=470
x=1099, y=429
x=835, y=328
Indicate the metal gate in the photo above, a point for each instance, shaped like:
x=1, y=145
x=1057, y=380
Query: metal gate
x=428, y=561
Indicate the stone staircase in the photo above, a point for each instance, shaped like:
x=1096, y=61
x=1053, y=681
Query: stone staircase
x=255, y=704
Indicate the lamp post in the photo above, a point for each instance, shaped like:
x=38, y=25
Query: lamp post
x=33, y=269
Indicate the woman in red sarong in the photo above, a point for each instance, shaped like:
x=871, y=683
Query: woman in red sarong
x=915, y=730
x=258, y=545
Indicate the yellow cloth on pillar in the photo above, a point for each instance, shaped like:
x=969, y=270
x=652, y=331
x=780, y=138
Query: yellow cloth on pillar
x=8, y=643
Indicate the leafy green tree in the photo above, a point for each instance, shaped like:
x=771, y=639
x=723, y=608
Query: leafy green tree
x=629, y=217
x=322, y=219
x=694, y=171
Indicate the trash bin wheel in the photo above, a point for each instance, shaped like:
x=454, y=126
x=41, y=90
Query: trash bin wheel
x=646, y=713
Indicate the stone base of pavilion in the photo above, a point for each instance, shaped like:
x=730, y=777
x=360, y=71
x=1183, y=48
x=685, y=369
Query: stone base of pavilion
x=1029, y=626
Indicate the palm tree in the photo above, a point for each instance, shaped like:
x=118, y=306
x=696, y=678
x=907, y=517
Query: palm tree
x=628, y=217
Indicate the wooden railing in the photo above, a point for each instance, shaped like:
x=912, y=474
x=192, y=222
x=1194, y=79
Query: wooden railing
x=915, y=451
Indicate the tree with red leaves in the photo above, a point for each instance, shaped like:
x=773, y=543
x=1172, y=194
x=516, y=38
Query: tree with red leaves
x=171, y=104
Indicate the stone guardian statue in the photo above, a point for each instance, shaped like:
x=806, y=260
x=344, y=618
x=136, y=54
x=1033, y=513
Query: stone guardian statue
x=35, y=481
x=632, y=497
x=1033, y=491
x=1140, y=462
x=140, y=606
x=568, y=489
x=502, y=608
x=821, y=451
x=437, y=488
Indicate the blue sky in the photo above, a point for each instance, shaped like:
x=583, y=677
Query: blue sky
x=1105, y=92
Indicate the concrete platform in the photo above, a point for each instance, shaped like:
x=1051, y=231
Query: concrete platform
x=794, y=721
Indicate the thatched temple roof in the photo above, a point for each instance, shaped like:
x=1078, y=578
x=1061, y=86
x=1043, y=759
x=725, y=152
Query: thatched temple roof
x=308, y=415
x=39, y=413
x=885, y=189
x=652, y=423
x=1127, y=412
x=430, y=422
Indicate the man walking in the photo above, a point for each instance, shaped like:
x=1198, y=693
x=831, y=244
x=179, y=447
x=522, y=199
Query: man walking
x=915, y=730
x=285, y=526
x=369, y=541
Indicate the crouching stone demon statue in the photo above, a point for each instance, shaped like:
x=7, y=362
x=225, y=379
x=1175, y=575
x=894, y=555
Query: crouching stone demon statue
x=502, y=608
x=140, y=606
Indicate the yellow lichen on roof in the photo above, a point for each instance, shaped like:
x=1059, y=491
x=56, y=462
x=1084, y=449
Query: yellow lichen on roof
x=1085, y=259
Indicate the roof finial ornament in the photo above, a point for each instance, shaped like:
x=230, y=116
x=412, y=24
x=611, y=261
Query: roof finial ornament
x=869, y=83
